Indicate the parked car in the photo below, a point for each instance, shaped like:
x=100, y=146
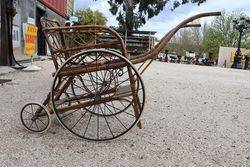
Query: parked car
x=173, y=58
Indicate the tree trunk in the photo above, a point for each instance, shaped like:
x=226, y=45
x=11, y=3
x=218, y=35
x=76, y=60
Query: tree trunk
x=129, y=18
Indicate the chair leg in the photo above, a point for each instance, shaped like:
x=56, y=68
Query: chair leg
x=135, y=98
x=46, y=103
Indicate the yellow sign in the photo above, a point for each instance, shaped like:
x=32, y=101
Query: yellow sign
x=232, y=56
x=30, y=40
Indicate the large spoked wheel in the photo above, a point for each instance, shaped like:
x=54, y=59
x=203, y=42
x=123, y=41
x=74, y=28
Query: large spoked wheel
x=35, y=117
x=103, y=106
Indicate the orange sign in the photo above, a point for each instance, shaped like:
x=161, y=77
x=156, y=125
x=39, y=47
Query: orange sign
x=30, y=40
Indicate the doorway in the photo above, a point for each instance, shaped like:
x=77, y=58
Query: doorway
x=41, y=44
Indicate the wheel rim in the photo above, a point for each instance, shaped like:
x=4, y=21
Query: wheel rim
x=35, y=117
x=107, y=120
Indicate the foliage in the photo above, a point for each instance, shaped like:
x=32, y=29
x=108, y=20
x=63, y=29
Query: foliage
x=182, y=2
x=246, y=39
x=209, y=38
x=188, y=40
x=132, y=14
x=220, y=33
x=90, y=17
x=181, y=42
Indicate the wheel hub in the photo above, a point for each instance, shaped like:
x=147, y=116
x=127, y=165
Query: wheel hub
x=98, y=95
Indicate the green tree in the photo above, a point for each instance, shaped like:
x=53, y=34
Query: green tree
x=90, y=17
x=221, y=33
x=210, y=37
x=132, y=14
x=181, y=42
x=188, y=39
x=197, y=39
x=246, y=39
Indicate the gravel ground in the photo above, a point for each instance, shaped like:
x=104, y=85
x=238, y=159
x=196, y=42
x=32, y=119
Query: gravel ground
x=194, y=116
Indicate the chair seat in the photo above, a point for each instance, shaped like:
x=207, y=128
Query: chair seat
x=123, y=91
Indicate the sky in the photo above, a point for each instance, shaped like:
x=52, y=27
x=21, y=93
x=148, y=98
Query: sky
x=168, y=19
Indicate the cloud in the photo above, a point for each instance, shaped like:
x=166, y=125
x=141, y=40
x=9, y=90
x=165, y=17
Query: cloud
x=167, y=19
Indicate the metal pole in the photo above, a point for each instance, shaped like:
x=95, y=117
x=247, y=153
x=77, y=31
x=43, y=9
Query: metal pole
x=240, y=25
x=237, y=57
x=239, y=42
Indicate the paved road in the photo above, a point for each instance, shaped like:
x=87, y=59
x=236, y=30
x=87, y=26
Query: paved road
x=194, y=116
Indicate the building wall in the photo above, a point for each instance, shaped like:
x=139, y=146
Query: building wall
x=50, y=14
x=226, y=56
x=26, y=12
x=58, y=6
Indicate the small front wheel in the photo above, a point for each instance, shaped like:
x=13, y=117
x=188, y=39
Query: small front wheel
x=35, y=117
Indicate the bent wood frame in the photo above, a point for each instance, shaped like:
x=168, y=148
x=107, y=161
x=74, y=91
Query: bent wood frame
x=67, y=51
x=151, y=54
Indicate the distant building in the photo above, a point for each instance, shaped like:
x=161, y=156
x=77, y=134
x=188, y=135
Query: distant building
x=226, y=56
x=137, y=42
x=52, y=9
x=31, y=11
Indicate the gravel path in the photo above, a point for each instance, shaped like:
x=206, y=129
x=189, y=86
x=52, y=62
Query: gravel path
x=194, y=116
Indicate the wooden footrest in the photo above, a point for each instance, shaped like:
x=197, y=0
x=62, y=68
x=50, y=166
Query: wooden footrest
x=123, y=91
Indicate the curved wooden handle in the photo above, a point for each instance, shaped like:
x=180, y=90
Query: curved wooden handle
x=164, y=41
x=192, y=25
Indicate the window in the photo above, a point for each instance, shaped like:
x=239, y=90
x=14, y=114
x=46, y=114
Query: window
x=15, y=36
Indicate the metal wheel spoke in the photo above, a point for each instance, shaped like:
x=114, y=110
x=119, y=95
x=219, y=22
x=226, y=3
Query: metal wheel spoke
x=116, y=117
x=94, y=108
x=78, y=120
x=102, y=76
x=98, y=77
x=79, y=87
x=123, y=81
x=92, y=82
x=107, y=122
x=36, y=125
x=98, y=122
x=122, y=103
x=129, y=114
x=31, y=124
x=86, y=80
x=28, y=112
x=41, y=121
x=113, y=106
x=32, y=109
x=105, y=75
x=69, y=114
x=87, y=124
